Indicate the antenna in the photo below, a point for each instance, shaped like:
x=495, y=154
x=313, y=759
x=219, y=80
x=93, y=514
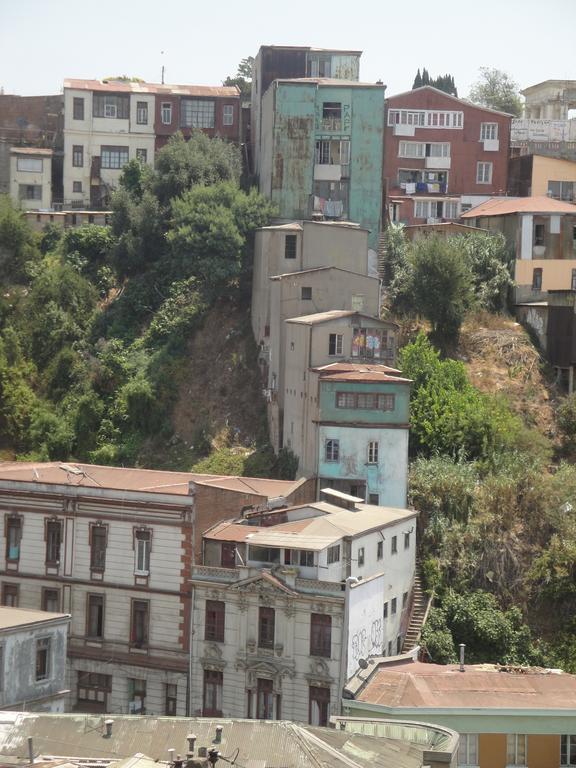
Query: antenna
x=162, y=54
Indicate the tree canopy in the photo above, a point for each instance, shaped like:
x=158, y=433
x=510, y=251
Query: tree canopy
x=442, y=82
x=243, y=77
x=497, y=90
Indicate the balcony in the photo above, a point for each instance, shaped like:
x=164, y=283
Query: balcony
x=404, y=130
x=440, y=163
x=327, y=172
x=491, y=145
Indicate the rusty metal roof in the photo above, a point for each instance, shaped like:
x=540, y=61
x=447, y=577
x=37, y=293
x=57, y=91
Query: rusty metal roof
x=415, y=684
x=143, y=480
x=31, y=151
x=501, y=206
x=267, y=744
x=119, y=86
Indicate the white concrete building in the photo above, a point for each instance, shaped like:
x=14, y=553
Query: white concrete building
x=288, y=602
x=106, y=124
x=33, y=660
x=31, y=177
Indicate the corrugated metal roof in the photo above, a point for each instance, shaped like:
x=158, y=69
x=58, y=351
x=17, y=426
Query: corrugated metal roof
x=117, y=86
x=501, y=206
x=278, y=744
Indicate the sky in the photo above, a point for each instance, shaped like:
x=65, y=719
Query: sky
x=201, y=42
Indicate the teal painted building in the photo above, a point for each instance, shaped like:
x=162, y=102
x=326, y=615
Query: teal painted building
x=321, y=151
x=363, y=430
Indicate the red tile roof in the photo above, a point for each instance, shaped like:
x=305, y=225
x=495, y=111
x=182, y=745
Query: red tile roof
x=501, y=206
x=118, y=86
x=414, y=684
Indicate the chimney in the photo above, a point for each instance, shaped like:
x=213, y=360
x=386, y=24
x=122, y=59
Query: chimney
x=218, y=738
x=108, y=725
x=171, y=753
x=462, y=649
x=31, y=749
x=191, y=738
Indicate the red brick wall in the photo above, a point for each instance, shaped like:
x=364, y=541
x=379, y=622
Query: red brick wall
x=466, y=149
x=229, y=132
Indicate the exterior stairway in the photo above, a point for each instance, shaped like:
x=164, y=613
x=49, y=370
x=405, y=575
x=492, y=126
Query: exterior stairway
x=382, y=269
x=421, y=604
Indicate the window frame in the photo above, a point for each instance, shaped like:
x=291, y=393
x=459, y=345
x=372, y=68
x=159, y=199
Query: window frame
x=512, y=742
x=306, y=293
x=319, y=695
x=170, y=699
x=407, y=540
x=361, y=556
x=13, y=522
x=373, y=450
x=228, y=115
x=78, y=155
x=77, y=187
x=393, y=606
x=78, y=108
x=336, y=343
x=467, y=748
x=539, y=233
x=137, y=692
x=394, y=545
x=332, y=450
x=166, y=112
x=321, y=635
x=94, y=597
x=36, y=164
x=567, y=745
x=142, y=536
x=114, y=158
x=11, y=591
x=537, y=274
x=290, y=246
x=53, y=529
x=139, y=607
x=102, y=530
x=481, y=167
x=43, y=650
x=30, y=191
x=213, y=680
x=333, y=554
x=488, y=131
x=197, y=113
x=266, y=627
x=141, y=113
x=142, y=155
x=214, y=621
x=49, y=593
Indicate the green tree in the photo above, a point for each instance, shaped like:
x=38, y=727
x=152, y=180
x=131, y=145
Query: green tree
x=89, y=248
x=490, y=260
x=243, y=78
x=17, y=242
x=496, y=89
x=417, y=80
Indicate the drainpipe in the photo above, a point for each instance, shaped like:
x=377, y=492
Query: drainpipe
x=190, y=648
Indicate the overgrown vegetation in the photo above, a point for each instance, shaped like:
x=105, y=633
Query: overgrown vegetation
x=95, y=322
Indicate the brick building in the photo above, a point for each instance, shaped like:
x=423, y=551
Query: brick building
x=442, y=155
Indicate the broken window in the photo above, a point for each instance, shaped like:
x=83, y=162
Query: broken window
x=108, y=105
x=332, y=115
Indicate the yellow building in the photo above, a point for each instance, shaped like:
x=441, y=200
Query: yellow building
x=533, y=175
x=507, y=717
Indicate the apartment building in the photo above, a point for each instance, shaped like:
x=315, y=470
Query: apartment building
x=274, y=62
x=33, y=659
x=31, y=177
x=288, y=604
x=443, y=155
x=322, y=150
x=107, y=123
x=540, y=175
x=114, y=548
x=506, y=716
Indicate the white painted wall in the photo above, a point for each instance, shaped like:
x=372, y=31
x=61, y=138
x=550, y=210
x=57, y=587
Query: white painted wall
x=41, y=178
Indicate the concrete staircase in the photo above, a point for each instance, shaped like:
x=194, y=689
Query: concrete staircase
x=421, y=604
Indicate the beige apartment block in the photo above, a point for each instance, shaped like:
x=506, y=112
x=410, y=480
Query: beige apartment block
x=31, y=177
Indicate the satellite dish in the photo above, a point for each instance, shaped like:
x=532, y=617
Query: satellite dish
x=362, y=663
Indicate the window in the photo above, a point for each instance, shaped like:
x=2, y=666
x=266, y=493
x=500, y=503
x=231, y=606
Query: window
x=420, y=149
x=393, y=606
x=113, y=157
x=265, y=699
x=78, y=155
x=568, y=751
x=379, y=550
x=360, y=556
x=214, y=621
x=373, y=452
x=264, y=554
x=142, y=112
x=385, y=611
x=139, y=624
x=406, y=541
x=422, y=118
x=404, y=600
x=573, y=281
x=29, y=164
x=320, y=635
x=197, y=113
x=78, y=108
x=13, y=538
x=212, y=698
x=332, y=116
x=95, y=617
x=10, y=595
x=365, y=401
x=166, y=113
x=110, y=105
x=93, y=689
x=228, y=114
x=51, y=600
x=539, y=234
x=136, y=696
x=335, y=344
x=332, y=450
x=76, y=186
x=266, y=620
x=319, y=65
x=170, y=699
x=468, y=750
x=371, y=343
x=488, y=131
x=142, y=156
x=484, y=173
x=142, y=547
x=290, y=247
x=374, y=498
x=562, y=190
x=451, y=209
x=516, y=748
x=306, y=293
x=332, y=152
x=53, y=541
x=42, y=659
x=29, y=192
x=389, y=647
x=537, y=279
x=318, y=705
x=306, y=558
x=394, y=545
x=334, y=554
x=98, y=540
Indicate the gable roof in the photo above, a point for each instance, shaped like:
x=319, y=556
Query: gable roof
x=336, y=314
x=502, y=206
x=462, y=102
x=304, y=272
x=360, y=372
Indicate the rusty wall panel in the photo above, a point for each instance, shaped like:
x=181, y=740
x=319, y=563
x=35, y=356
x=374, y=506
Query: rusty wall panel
x=561, y=321
x=279, y=64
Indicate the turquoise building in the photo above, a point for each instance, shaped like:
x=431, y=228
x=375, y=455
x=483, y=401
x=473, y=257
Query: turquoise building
x=363, y=429
x=321, y=150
